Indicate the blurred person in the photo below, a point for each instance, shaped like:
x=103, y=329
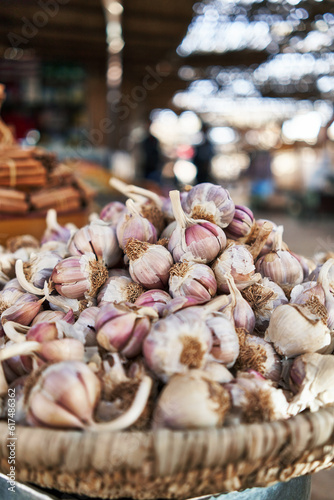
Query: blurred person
x=204, y=153
x=150, y=156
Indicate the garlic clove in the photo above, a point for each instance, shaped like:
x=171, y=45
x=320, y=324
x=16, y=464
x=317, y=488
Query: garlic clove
x=119, y=289
x=133, y=225
x=157, y=299
x=24, y=310
x=54, y=231
x=242, y=224
x=225, y=344
x=43, y=331
x=191, y=401
x=218, y=372
x=42, y=411
x=47, y=316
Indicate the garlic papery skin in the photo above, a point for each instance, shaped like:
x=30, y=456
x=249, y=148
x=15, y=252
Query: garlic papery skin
x=133, y=225
x=177, y=343
x=325, y=279
x=271, y=237
x=40, y=267
x=242, y=224
x=294, y=330
x=264, y=297
x=54, y=231
x=257, y=354
x=179, y=303
x=119, y=289
x=255, y=399
x=53, y=316
x=192, y=279
x=78, y=277
x=85, y=324
x=312, y=379
x=191, y=401
x=157, y=299
x=98, y=237
x=24, y=310
x=280, y=265
x=210, y=202
x=64, y=396
x=302, y=293
x=218, y=372
x=238, y=261
x=48, y=350
x=168, y=231
x=8, y=297
x=122, y=329
x=149, y=264
x=225, y=342
x=194, y=240
x=112, y=212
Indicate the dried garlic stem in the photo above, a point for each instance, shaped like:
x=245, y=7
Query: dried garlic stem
x=29, y=287
x=216, y=304
x=124, y=188
x=12, y=331
x=132, y=414
x=180, y=216
x=261, y=239
x=131, y=206
x=133, y=190
x=51, y=220
x=22, y=348
x=278, y=239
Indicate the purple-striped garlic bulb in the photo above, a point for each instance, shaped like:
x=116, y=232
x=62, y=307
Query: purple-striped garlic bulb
x=85, y=325
x=123, y=329
x=242, y=225
x=112, y=212
x=238, y=309
x=157, y=299
x=54, y=231
x=280, y=265
x=210, y=202
x=79, y=277
x=255, y=399
x=264, y=297
x=191, y=400
x=192, y=279
x=133, y=225
x=149, y=264
x=194, y=240
x=119, y=289
x=257, y=354
x=225, y=342
x=40, y=267
x=98, y=237
x=311, y=379
x=176, y=344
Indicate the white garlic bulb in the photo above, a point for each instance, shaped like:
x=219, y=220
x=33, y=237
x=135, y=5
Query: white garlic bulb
x=295, y=330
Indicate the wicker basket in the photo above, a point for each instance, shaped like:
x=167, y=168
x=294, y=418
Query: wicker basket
x=167, y=464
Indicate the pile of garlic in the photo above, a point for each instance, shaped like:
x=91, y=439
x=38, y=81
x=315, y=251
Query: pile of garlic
x=182, y=312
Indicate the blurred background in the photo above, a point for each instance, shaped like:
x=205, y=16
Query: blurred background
x=168, y=94
x=235, y=92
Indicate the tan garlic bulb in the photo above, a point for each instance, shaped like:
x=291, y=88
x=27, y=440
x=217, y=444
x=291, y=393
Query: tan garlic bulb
x=191, y=401
x=280, y=265
x=295, y=330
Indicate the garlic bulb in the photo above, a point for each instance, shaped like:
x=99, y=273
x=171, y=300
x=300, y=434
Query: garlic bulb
x=192, y=279
x=149, y=264
x=112, y=212
x=225, y=342
x=295, y=330
x=191, y=401
x=123, y=329
x=210, y=202
x=76, y=277
x=324, y=279
x=119, y=289
x=54, y=231
x=259, y=355
x=133, y=225
x=242, y=224
x=24, y=310
x=238, y=261
x=271, y=237
x=40, y=267
x=238, y=310
x=98, y=237
x=53, y=316
x=280, y=265
x=177, y=343
x=194, y=240
x=85, y=325
x=264, y=297
x=255, y=399
x=8, y=297
x=157, y=299
x=312, y=378
x=64, y=396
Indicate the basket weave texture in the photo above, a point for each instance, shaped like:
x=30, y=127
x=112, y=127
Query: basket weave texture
x=169, y=464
